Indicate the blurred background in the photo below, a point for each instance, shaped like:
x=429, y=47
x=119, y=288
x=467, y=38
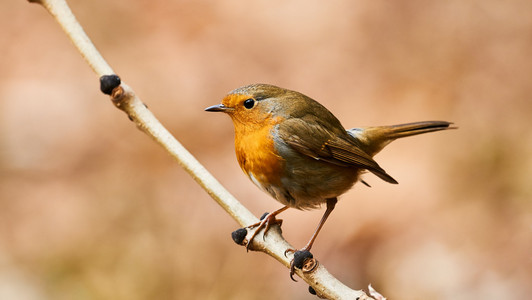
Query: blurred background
x=91, y=208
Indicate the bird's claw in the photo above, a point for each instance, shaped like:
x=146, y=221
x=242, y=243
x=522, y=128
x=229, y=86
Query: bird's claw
x=266, y=221
x=289, y=250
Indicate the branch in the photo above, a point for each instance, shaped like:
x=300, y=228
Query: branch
x=124, y=98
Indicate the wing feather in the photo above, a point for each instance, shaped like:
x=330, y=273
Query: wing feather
x=316, y=141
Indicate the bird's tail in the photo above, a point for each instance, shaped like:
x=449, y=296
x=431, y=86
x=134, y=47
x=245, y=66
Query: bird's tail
x=373, y=139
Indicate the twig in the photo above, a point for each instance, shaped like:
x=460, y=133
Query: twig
x=322, y=282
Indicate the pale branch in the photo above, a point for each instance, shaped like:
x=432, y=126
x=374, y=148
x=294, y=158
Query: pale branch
x=323, y=283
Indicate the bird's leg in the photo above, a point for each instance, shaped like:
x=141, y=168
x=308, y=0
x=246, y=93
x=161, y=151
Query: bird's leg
x=331, y=203
x=266, y=222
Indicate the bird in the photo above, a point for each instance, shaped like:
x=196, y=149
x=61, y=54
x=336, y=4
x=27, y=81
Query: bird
x=296, y=150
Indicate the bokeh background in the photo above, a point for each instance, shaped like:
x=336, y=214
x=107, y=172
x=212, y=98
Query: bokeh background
x=91, y=208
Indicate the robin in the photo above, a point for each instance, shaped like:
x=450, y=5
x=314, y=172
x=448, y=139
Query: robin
x=296, y=150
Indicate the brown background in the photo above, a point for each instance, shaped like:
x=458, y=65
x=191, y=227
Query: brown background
x=90, y=208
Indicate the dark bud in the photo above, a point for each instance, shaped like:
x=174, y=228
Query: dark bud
x=264, y=215
x=239, y=235
x=108, y=83
x=311, y=290
x=300, y=257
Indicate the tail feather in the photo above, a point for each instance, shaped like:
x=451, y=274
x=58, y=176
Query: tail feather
x=409, y=129
x=373, y=139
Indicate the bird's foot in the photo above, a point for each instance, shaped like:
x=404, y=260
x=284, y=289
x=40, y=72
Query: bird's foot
x=266, y=221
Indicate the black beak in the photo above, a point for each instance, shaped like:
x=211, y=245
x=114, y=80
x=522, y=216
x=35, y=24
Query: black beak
x=218, y=107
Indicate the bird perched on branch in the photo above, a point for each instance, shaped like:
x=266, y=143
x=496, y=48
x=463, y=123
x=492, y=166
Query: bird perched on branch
x=296, y=150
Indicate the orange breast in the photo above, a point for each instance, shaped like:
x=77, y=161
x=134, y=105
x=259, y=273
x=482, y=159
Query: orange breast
x=256, y=154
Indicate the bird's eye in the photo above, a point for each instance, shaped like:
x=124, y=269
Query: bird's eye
x=249, y=103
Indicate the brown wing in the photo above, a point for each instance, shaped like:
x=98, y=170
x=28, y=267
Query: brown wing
x=315, y=140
